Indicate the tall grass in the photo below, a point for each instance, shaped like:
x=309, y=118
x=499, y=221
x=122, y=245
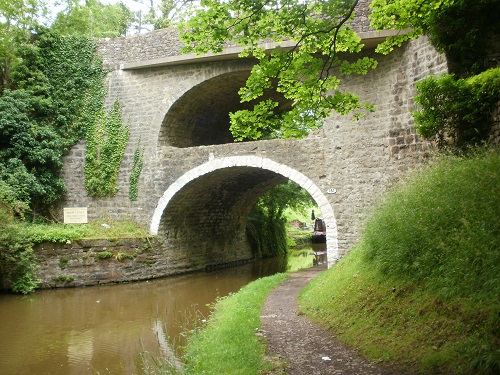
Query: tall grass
x=422, y=288
x=444, y=226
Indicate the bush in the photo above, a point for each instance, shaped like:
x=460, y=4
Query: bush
x=17, y=263
x=457, y=113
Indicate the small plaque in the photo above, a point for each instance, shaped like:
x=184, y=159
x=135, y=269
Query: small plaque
x=75, y=215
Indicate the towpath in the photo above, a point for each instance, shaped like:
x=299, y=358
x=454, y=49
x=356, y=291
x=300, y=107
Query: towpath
x=306, y=348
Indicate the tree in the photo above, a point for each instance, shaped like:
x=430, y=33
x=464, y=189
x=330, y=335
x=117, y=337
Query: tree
x=56, y=91
x=17, y=19
x=287, y=195
x=309, y=72
x=459, y=28
x=93, y=19
x=266, y=222
x=159, y=16
x=321, y=42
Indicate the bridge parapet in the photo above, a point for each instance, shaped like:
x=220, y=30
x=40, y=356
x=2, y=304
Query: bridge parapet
x=162, y=47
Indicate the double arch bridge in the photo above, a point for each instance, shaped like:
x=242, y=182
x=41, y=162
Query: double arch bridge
x=197, y=186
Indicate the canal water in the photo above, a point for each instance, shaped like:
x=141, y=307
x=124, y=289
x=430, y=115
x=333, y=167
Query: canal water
x=104, y=329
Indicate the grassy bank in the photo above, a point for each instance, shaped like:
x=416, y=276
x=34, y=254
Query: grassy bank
x=422, y=288
x=100, y=229
x=229, y=344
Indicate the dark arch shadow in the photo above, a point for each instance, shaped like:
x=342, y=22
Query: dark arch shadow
x=200, y=117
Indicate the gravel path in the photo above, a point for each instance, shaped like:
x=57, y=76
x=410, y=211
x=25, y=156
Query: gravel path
x=305, y=347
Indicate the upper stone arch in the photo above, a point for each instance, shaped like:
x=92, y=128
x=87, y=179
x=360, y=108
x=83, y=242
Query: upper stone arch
x=200, y=117
x=250, y=161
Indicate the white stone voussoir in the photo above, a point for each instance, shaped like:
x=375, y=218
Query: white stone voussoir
x=252, y=161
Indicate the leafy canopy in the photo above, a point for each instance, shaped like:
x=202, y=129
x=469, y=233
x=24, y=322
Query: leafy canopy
x=459, y=28
x=313, y=39
x=17, y=19
x=164, y=12
x=93, y=19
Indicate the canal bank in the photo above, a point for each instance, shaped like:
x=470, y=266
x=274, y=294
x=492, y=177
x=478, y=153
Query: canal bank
x=90, y=262
x=302, y=346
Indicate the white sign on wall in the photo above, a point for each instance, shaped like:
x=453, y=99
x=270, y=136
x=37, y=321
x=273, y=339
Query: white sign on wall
x=75, y=215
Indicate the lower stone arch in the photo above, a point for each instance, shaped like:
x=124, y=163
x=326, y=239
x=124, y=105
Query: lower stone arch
x=256, y=162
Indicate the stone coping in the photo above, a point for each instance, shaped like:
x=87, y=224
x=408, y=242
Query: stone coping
x=369, y=38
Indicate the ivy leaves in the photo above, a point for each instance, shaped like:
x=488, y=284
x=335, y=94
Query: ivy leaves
x=56, y=89
x=315, y=42
x=133, y=191
x=106, y=142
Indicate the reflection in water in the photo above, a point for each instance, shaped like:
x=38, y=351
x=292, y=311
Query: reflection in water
x=80, y=349
x=166, y=347
x=102, y=330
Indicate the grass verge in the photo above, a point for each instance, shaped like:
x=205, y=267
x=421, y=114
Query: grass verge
x=103, y=229
x=422, y=288
x=219, y=346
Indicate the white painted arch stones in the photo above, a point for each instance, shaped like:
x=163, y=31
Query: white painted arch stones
x=251, y=161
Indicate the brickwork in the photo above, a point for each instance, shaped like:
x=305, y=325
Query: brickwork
x=203, y=219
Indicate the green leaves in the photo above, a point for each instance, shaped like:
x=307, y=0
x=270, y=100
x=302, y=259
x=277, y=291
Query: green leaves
x=57, y=89
x=133, y=191
x=93, y=19
x=457, y=112
x=106, y=142
x=304, y=73
x=462, y=29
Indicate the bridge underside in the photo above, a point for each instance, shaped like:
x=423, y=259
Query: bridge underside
x=201, y=116
x=204, y=223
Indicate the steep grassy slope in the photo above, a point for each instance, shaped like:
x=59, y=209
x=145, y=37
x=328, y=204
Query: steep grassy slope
x=422, y=289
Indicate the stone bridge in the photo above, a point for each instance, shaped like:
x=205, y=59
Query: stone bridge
x=197, y=186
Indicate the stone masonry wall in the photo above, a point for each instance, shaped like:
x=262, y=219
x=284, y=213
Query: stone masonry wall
x=364, y=158
x=165, y=42
x=360, y=159
x=97, y=262
x=495, y=129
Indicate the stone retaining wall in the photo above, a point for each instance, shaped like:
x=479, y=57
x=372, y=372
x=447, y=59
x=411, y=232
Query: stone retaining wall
x=97, y=262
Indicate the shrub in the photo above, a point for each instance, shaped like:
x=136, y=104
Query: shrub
x=106, y=254
x=457, y=112
x=17, y=263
